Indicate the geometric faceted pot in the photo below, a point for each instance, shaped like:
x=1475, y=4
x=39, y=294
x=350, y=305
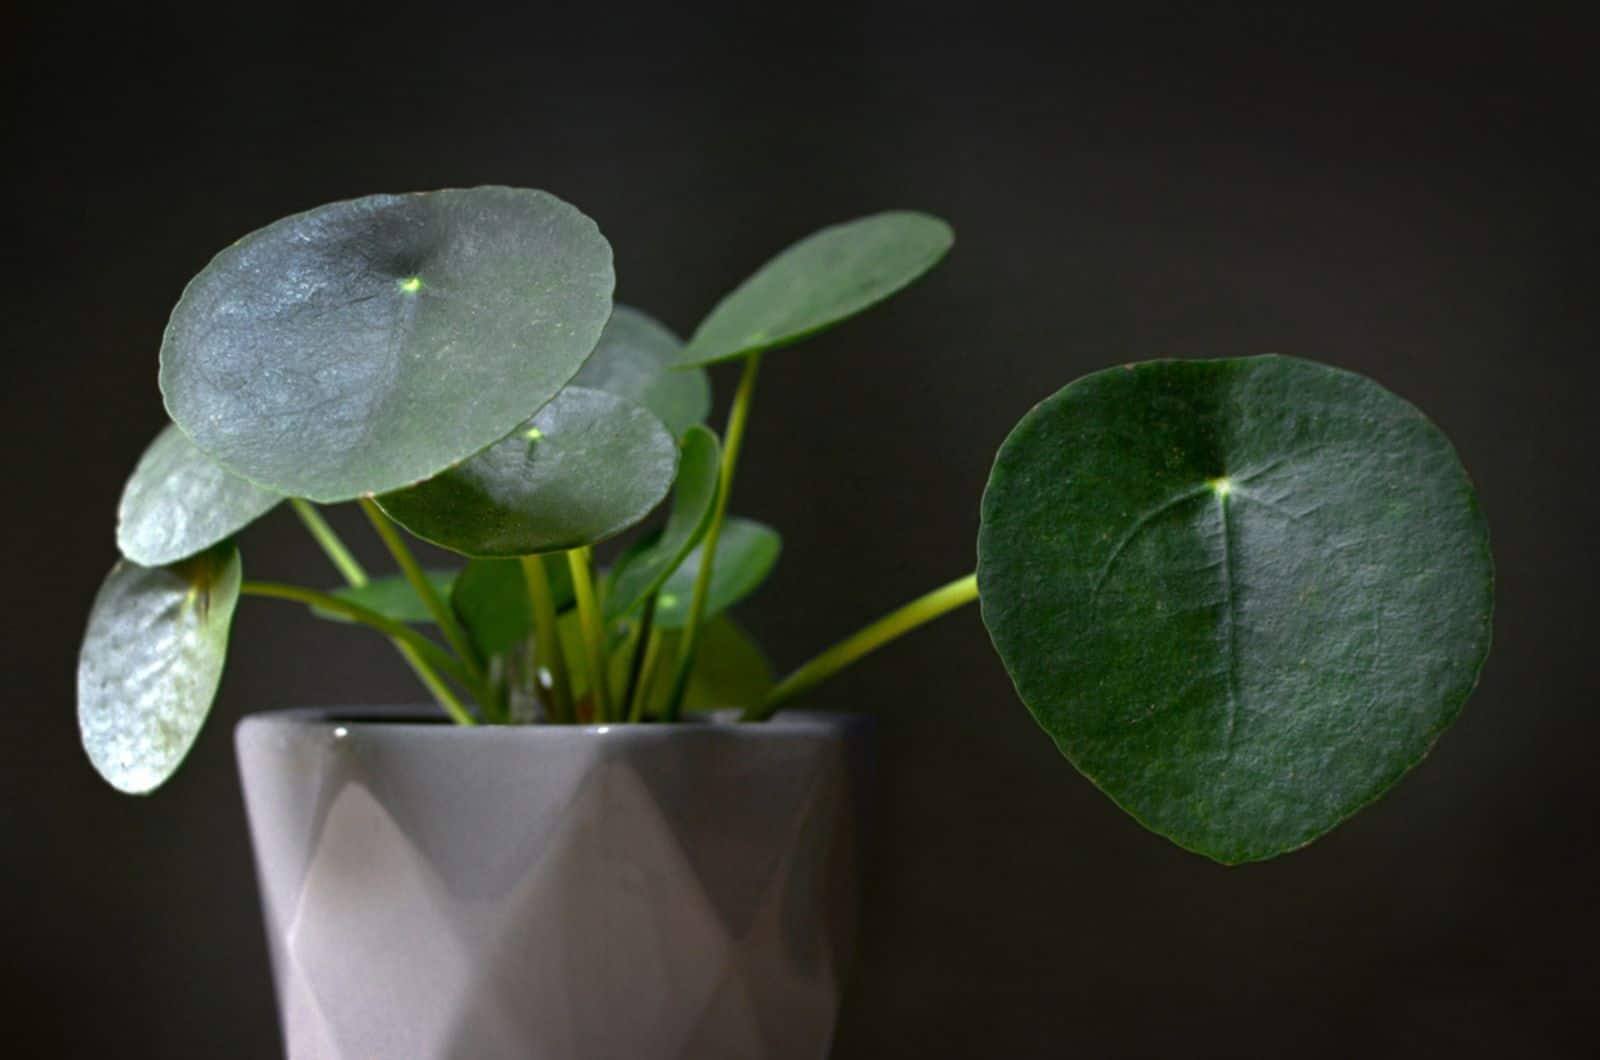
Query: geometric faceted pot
x=552, y=892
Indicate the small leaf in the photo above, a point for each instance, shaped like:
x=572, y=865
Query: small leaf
x=491, y=599
x=150, y=664
x=393, y=597
x=730, y=669
x=1243, y=596
x=643, y=569
x=180, y=502
x=366, y=345
x=823, y=280
x=746, y=554
x=588, y=466
x=635, y=359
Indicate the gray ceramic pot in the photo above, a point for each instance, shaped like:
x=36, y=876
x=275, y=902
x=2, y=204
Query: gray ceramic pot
x=553, y=892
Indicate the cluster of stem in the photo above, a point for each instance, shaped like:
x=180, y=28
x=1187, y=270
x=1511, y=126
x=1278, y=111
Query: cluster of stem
x=551, y=678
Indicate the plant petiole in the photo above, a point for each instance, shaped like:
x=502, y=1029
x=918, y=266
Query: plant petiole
x=636, y=656
x=427, y=651
x=738, y=416
x=340, y=556
x=424, y=589
x=647, y=673
x=896, y=623
x=547, y=638
x=594, y=643
x=348, y=566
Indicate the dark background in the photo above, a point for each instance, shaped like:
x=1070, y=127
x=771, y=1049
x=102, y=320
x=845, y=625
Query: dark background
x=1400, y=195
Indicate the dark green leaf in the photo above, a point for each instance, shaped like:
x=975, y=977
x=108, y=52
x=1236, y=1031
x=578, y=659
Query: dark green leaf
x=491, y=599
x=150, y=664
x=588, y=466
x=1243, y=596
x=393, y=597
x=823, y=280
x=367, y=345
x=643, y=569
x=746, y=554
x=635, y=360
x=179, y=502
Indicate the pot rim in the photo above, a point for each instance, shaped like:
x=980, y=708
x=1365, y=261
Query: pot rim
x=426, y=720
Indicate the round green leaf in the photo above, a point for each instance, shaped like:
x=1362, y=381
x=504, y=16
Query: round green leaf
x=367, y=345
x=491, y=600
x=588, y=466
x=645, y=568
x=823, y=280
x=635, y=360
x=179, y=502
x=746, y=554
x=150, y=664
x=393, y=596
x=1243, y=596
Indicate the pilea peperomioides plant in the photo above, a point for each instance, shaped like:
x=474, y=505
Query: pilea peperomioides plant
x=1244, y=595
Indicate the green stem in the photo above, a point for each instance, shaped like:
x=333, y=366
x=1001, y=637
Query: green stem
x=641, y=641
x=593, y=631
x=647, y=673
x=347, y=565
x=547, y=637
x=440, y=611
x=738, y=415
x=896, y=623
x=429, y=652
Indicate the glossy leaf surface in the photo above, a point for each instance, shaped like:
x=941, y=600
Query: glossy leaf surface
x=491, y=600
x=366, y=345
x=179, y=502
x=588, y=466
x=1243, y=596
x=150, y=664
x=635, y=359
x=823, y=280
x=645, y=568
x=746, y=554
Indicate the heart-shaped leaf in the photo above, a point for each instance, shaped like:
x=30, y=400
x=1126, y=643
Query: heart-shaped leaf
x=150, y=664
x=367, y=345
x=1243, y=596
x=823, y=280
x=491, y=599
x=746, y=554
x=635, y=359
x=588, y=466
x=393, y=596
x=179, y=502
x=645, y=568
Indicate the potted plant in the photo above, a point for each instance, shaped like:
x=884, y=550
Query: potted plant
x=1243, y=596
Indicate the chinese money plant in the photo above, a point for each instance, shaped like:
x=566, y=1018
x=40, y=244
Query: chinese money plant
x=1243, y=596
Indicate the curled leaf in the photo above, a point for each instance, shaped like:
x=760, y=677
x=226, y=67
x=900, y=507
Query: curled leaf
x=645, y=568
x=150, y=664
